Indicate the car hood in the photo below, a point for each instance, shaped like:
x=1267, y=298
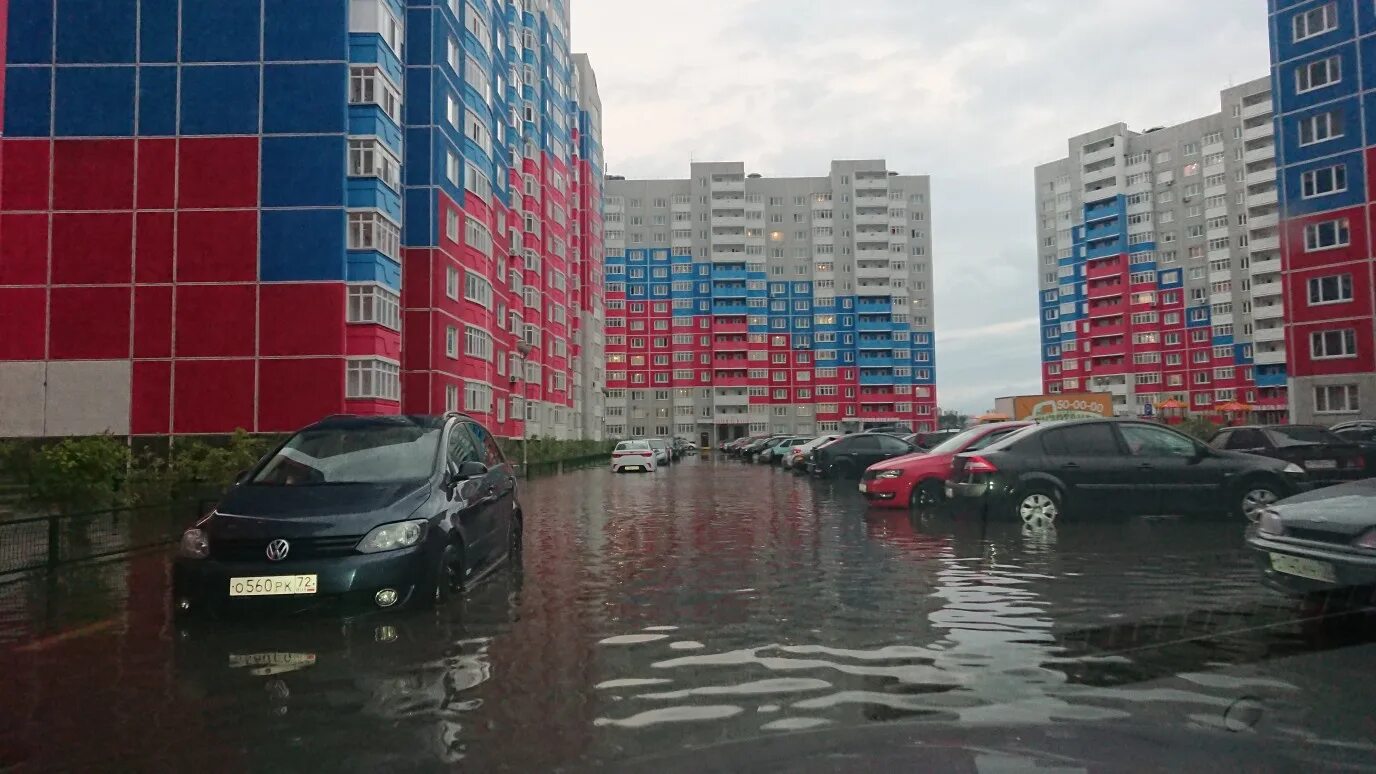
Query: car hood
x=302, y=511
x=903, y=461
x=1348, y=509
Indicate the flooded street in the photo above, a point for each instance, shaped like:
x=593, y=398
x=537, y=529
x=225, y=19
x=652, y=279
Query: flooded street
x=709, y=603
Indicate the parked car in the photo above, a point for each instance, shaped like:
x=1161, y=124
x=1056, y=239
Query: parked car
x=664, y=454
x=1362, y=433
x=683, y=446
x=1320, y=541
x=896, y=428
x=1097, y=466
x=920, y=479
x=778, y=447
x=848, y=455
x=1326, y=457
x=798, y=458
x=370, y=512
x=749, y=451
x=736, y=447
x=932, y=439
x=634, y=455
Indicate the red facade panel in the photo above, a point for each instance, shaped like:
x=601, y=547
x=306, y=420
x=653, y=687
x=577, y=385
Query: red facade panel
x=24, y=184
x=296, y=392
x=153, y=321
x=1293, y=240
x=89, y=323
x=301, y=319
x=151, y=399
x=218, y=172
x=215, y=321
x=217, y=246
x=153, y=246
x=1299, y=353
x=93, y=174
x=23, y=249
x=92, y=248
x=23, y=323
x=212, y=396
x=157, y=174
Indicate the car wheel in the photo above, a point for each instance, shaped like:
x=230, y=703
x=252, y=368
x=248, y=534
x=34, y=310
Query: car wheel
x=516, y=548
x=1038, y=508
x=1253, y=496
x=449, y=574
x=926, y=494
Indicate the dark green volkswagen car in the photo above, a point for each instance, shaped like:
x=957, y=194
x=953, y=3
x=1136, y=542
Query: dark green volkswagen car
x=356, y=513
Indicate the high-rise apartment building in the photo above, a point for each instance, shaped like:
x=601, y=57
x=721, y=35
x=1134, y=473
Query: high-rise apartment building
x=741, y=304
x=1323, y=67
x=218, y=214
x=1151, y=287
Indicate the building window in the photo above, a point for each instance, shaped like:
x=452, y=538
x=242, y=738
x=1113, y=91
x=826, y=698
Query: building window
x=1335, y=399
x=371, y=230
x=474, y=180
x=451, y=225
x=372, y=378
x=1315, y=21
x=1321, y=127
x=451, y=342
x=1333, y=344
x=1323, y=181
x=1326, y=235
x=371, y=158
x=1333, y=289
x=368, y=86
x=477, y=398
x=451, y=397
x=477, y=236
x=1317, y=74
x=373, y=304
x=477, y=290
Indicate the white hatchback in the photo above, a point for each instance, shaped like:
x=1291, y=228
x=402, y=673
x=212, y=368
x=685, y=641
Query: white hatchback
x=633, y=455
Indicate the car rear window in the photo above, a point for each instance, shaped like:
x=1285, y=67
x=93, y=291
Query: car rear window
x=1290, y=435
x=1089, y=440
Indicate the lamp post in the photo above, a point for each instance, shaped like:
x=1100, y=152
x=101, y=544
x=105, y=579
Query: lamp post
x=523, y=349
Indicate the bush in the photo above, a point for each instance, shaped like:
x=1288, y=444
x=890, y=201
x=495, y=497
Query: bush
x=1199, y=427
x=79, y=473
x=194, y=466
x=544, y=450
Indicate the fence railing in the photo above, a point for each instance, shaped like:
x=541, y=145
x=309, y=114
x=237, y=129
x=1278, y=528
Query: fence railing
x=53, y=540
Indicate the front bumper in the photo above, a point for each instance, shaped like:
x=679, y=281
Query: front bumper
x=343, y=584
x=1351, y=569
x=892, y=492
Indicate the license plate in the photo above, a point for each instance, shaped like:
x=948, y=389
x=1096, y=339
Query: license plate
x=864, y=487
x=1321, y=464
x=1304, y=568
x=272, y=585
x=950, y=493
x=238, y=661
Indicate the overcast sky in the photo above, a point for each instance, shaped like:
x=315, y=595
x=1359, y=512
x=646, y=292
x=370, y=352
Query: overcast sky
x=974, y=94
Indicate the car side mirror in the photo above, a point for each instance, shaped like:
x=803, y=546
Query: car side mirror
x=241, y=476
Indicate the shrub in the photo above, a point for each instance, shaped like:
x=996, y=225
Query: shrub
x=79, y=473
x=1199, y=427
x=194, y=466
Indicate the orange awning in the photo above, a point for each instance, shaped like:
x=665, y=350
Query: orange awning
x=992, y=416
x=1232, y=405
x=1171, y=403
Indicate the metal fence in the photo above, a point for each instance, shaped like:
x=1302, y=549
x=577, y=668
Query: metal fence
x=50, y=541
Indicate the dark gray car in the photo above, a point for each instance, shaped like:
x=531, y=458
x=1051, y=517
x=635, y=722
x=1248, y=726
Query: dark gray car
x=1319, y=541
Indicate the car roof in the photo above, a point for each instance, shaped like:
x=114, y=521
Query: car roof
x=428, y=421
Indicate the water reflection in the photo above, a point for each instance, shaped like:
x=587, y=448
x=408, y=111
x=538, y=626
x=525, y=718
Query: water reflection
x=708, y=602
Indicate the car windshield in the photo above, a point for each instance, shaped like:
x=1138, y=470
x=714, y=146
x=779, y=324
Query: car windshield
x=632, y=446
x=1292, y=435
x=355, y=454
x=957, y=442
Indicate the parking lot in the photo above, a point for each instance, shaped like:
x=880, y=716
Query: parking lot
x=708, y=602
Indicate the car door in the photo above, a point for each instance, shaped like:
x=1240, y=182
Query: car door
x=1177, y=467
x=859, y=450
x=1089, y=460
x=1250, y=440
x=468, y=510
x=501, y=484
x=889, y=447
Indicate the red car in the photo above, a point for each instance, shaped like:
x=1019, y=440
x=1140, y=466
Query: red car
x=920, y=479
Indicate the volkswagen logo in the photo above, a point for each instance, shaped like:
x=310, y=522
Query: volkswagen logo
x=277, y=550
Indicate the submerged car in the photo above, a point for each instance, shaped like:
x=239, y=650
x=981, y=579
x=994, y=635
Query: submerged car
x=920, y=479
x=357, y=512
x=1320, y=541
x=664, y=453
x=634, y=455
x=776, y=448
x=849, y=455
x=1327, y=457
x=797, y=458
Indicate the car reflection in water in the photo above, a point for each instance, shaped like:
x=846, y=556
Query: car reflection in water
x=414, y=673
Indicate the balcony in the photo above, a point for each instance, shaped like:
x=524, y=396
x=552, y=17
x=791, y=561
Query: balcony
x=1266, y=290
x=1263, y=244
x=873, y=272
x=1097, y=270
x=1267, y=335
x=1264, y=267
x=730, y=380
x=1259, y=222
x=1270, y=377
x=1266, y=174
x=1260, y=154
x=876, y=379
x=731, y=399
x=1262, y=199
x=876, y=361
x=729, y=255
x=728, y=289
x=1114, y=308
x=732, y=326
x=1257, y=132
x=1103, y=189
x=875, y=342
x=1268, y=311
x=728, y=184
x=1105, y=153
x=1261, y=108
x=872, y=219
x=868, y=325
x=729, y=307
x=728, y=273
x=728, y=221
x=873, y=306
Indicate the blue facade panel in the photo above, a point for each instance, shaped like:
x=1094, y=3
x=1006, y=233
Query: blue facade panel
x=158, y=31
x=306, y=98
x=220, y=31
x=1348, y=124
x=219, y=100
x=369, y=49
x=370, y=120
x=1284, y=43
x=1270, y=376
x=301, y=30
x=28, y=101
x=420, y=226
x=94, y=102
x=30, y=38
x=284, y=255
x=96, y=31
x=303, y=171
x=1296, y=205
x=370, y=266
x=1291, y=99
x=157, y=101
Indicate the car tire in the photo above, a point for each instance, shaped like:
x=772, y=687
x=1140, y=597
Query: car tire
x=447, y=581
x=1039, y=507
x=926, y=494
x=516, y=546
x=1253, y=495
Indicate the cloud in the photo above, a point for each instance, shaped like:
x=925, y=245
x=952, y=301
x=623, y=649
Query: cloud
x=974, y=94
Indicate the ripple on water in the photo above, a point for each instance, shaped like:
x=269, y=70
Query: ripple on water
x=632, y=639
x=686, y=645
x=770, y=686
x=672, y=715
x=794, y=724
x=632, y=682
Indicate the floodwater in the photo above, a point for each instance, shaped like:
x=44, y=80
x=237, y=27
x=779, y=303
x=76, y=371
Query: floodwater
x=711, y=603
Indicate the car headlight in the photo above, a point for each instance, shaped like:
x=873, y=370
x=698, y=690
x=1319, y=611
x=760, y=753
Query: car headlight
x=195, y=544
x=1270, y=523
x=390, y=537
x=1293, y=469
x=889, y=474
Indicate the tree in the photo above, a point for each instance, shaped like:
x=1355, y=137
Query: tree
x=951, y=420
